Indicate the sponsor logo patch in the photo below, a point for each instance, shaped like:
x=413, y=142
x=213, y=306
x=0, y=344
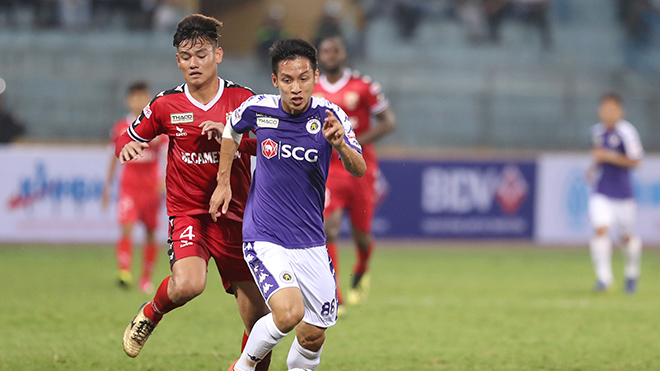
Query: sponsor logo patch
x=180, y=132
x=268, y=122
x=268, y=148
x=182, y=118
x=313, y=126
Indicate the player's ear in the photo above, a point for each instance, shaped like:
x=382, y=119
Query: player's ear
x=274, y=77
x=316, y=76
x=219, y=53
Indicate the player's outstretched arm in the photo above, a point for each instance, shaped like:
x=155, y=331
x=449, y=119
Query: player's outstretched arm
x=602, y=155
x=221, y=197
x=333, y=131
x=131, y=150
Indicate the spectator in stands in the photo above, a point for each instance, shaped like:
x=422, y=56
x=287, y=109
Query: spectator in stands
x=495, y=11
x=472, y=15
x=641, y=19
x=535, y=13
x=271, y=31
x=330, y=23
x=10, y=127
x=407, y=15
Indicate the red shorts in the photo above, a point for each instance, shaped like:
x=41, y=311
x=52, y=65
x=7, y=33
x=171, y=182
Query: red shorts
x=199, y=235
x=145, y=208
x=357, y=195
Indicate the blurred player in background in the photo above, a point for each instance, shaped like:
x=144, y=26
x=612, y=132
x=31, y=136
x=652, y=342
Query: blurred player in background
x=616, y=150
x=360, y=98
x=183, y=114
x=283, y=229
x=139, y=196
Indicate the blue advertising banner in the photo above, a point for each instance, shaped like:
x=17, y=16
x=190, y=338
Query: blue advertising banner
x=457, y=199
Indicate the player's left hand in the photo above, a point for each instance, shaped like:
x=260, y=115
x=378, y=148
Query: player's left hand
x=333, y=130
x=212, y=130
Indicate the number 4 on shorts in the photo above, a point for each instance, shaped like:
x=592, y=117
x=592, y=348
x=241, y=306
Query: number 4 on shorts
x=187, y=234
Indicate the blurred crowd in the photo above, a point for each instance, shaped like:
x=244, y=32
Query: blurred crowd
x=80, y=15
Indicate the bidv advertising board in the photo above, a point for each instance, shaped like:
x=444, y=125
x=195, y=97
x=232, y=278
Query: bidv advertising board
x=52, y=194
x=457, y=199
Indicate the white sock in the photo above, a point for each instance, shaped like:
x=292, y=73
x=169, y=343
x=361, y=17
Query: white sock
x=601, y=256
x=633, y=254
x=263, y=338
x=300, y=357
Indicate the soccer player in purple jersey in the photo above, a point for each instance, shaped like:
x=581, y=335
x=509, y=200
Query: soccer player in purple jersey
x=284, y=240
x=616, y=150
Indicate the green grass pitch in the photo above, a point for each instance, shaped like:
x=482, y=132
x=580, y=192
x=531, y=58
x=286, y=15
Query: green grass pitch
x=432, y=307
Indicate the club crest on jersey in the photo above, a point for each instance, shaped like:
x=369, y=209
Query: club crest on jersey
x=268, y=148
x=286, y=277
x=313, y=126
x=613, y=141
x=268, y=122
x=182, y=118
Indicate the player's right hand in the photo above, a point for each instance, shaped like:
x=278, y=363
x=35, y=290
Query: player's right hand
x=212, y=129
x=132, y=150
x=220, y=198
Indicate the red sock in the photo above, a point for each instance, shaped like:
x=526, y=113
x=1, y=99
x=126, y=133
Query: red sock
x=124, y=253
x=363, y=257
x=161, y=303
x=149, y=260
x=261, y=366
x=333, y=251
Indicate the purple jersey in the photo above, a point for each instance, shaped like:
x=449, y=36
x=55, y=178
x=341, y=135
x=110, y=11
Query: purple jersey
x=615, y=181
x=287, y=195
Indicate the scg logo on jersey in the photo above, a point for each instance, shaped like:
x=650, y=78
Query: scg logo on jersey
x=270, y=149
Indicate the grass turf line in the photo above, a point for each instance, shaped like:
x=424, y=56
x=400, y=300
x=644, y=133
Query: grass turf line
x=429, y=309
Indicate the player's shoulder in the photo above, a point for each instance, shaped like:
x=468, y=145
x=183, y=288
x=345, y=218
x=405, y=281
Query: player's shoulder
x=320, y=102
x=169, y=94
x=259, y=103
x=233, y=86
x=365, y=82
x=625, y=126
x=357, y=76
x=626, y=129
x=263, y=100
x=598, y=129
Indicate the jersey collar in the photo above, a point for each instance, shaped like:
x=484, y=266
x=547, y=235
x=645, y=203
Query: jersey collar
x=337, y=86
x=206, y=107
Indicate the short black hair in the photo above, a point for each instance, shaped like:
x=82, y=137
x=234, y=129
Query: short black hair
x=196, y=28
x=288, y=50
x=615, y=97
x=137, y=86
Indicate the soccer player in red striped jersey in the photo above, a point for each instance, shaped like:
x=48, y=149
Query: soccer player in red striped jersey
x=139, y=195
x=361, y=98
x=192, y=114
